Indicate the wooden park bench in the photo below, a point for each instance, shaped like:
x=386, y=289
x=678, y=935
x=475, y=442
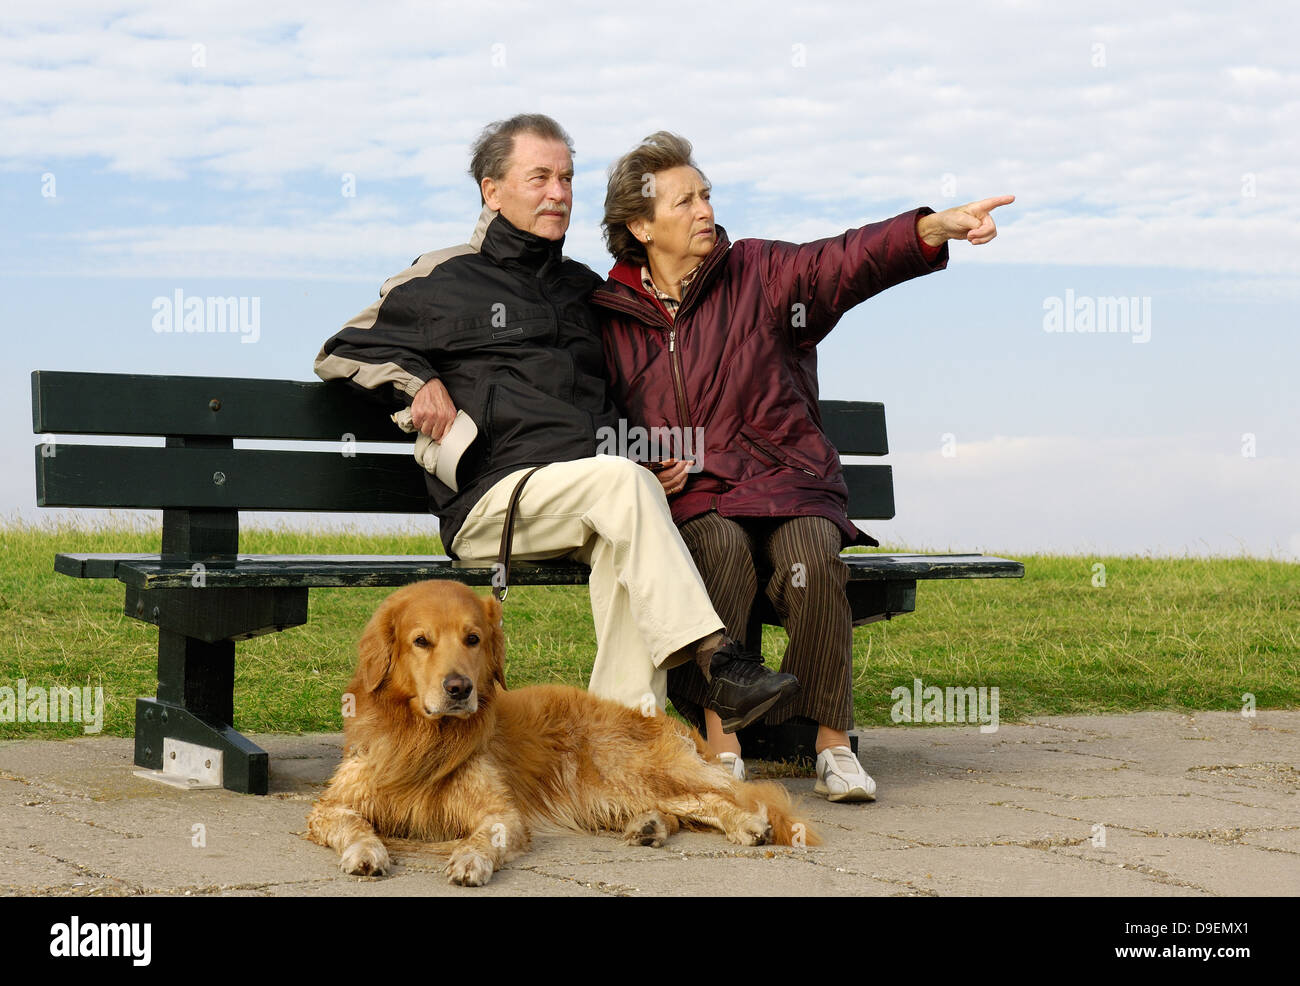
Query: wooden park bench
x=204, y=595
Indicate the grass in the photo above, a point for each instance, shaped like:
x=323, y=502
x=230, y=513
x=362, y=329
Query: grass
x=1161, y=634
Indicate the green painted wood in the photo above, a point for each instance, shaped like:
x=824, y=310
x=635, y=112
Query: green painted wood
x=272, y=572
x=243, y=479
x=393, y=570
x=893, y=567
x=270, y=479
x=871, y=492
x=136, y=404
x=212, y=614
x=855, y=427
x=95, y=565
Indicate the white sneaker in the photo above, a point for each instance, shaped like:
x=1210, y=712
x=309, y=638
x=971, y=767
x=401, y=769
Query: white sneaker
x=732, y=764
x=840, y=776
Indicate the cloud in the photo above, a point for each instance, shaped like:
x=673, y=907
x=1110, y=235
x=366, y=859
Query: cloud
x=1194, y=494
x=1132, y=135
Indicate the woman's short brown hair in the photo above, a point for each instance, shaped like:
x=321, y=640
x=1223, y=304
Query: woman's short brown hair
x=630, y=194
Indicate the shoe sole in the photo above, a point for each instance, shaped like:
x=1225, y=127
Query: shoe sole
x=757, y=712
x=853, y=794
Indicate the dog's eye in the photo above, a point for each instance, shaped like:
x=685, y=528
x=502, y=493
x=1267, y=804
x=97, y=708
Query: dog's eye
x=421, y=641
x=472, y=639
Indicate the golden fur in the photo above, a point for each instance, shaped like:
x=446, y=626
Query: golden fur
x=439, y=750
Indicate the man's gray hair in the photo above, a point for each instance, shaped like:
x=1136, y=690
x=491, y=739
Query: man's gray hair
x=495, y=145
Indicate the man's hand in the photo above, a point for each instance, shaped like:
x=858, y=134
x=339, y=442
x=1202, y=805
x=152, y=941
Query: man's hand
x=432, y=411
x=972, y=222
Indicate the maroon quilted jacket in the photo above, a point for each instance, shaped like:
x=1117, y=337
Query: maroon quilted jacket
x=740, y=364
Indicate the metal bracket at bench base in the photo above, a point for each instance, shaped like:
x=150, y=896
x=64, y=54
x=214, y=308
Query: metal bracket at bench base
x=245, y=766
x=187, y=766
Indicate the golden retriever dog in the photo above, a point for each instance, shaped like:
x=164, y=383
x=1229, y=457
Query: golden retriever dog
x=439, y=750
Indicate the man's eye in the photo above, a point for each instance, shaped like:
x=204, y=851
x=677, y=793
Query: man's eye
x=472, y=639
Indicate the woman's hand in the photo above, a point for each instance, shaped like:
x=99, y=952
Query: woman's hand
x=972, y=222
x=673, y=477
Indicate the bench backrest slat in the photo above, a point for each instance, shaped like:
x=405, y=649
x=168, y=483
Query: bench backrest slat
x=133, y=404
x=206, y=409
x=65, y=403
x=855, y=427
x=232, y=479
x=272, y=479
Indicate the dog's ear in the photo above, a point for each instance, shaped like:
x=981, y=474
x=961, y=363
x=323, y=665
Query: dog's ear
x=496, y=639
x=375, y=650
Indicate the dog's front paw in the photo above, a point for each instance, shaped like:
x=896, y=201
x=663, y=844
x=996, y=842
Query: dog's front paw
x=468, y=868
x=365, y=858
x=755, y=830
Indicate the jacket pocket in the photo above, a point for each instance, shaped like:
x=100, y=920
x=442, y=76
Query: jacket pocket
x=765, y=451
x=502, y=325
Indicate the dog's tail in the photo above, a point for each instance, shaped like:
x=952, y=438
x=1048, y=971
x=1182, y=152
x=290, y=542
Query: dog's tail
x=788, y=829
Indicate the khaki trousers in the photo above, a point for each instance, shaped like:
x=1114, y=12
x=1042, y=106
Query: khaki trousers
x=649, y=604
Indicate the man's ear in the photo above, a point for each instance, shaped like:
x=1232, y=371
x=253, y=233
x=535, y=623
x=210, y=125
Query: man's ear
x=488, y=189
x=496, y=640
x=375, y=650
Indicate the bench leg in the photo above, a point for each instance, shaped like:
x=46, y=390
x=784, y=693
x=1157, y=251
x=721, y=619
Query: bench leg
x=195, y=704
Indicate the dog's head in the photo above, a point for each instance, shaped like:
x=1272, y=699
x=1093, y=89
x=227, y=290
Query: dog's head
x=436, y=646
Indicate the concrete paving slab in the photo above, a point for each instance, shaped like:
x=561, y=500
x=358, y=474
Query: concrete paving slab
x=944, y=871
x=1216, y=867
x=691, y=875
x=1285, y=840
x=1201, y=804
x=1177, y=814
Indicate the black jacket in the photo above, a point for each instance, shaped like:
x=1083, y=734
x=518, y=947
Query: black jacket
x=503, y=322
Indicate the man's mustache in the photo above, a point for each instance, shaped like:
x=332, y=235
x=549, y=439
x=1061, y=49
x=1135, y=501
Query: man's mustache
x=559, y=207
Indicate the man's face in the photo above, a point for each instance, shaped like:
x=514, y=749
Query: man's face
x=536, y=194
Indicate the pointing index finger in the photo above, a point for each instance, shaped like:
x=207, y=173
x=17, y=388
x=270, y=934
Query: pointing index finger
x=989, y=204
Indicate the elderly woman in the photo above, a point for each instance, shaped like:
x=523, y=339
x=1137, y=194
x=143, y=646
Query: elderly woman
x=718, y=340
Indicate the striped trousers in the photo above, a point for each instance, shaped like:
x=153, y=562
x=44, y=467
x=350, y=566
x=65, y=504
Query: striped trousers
x=799, y=557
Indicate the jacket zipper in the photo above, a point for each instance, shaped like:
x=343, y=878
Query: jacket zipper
x=674, y=360
x=639, y=312
x=674, y=357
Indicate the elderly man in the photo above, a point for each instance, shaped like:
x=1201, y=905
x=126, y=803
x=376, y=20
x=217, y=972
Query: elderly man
x=499, y=328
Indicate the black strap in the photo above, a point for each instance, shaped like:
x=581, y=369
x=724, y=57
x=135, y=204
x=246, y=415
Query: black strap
x=507, y=539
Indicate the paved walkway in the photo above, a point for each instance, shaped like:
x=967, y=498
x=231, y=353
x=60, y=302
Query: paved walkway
x=1155, y=804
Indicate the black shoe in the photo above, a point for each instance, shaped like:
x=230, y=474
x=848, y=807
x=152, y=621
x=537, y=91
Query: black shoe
x=741, y=689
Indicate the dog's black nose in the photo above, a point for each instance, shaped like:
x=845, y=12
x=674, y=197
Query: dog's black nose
x=457, y=686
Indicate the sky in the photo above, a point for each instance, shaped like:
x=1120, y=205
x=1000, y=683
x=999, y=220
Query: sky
x=296, y=155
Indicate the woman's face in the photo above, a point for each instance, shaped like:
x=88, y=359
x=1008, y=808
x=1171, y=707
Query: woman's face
x=683, y=221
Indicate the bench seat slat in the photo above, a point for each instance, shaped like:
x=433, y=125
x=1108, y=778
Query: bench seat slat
x=320, y=571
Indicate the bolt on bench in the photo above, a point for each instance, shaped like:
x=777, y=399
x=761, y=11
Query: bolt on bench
x=203, y=595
